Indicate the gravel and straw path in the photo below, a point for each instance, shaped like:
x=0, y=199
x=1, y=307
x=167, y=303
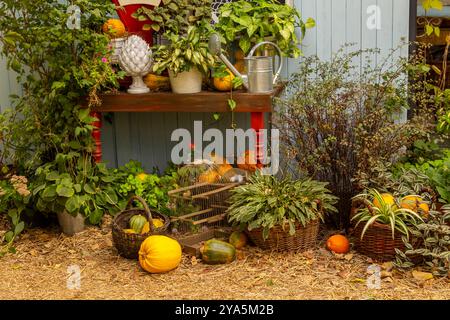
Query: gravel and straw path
x=39, y=270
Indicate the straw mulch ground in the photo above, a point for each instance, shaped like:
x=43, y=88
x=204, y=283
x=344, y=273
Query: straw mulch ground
x=39, y=271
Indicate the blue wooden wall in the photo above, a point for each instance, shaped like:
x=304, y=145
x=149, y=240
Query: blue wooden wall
x=146, y=136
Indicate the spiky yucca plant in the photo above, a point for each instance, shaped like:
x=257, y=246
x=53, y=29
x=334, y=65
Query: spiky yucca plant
x=267, y=201
x=400, y=219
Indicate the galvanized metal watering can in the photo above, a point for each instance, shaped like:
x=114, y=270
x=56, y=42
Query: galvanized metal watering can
x=260, y=76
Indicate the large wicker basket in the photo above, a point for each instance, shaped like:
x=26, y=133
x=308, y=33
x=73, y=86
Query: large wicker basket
x=128, y=244
x=377, y=242
x=280, y=240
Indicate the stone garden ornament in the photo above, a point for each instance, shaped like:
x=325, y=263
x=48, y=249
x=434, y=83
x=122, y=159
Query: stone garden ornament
x=136, y=60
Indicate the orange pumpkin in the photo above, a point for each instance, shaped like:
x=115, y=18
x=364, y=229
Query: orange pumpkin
x=224, y=83
x=114, y=27
x=338, y=243
x=248, y=161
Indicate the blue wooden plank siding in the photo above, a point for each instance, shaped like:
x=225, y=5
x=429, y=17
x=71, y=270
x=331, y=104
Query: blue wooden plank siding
x=146, y=136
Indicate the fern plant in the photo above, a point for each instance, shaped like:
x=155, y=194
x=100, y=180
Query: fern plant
x=381, y=209
x=267, y=201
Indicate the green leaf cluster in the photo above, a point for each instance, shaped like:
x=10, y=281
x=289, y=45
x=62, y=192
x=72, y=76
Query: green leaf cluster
x=184, y=53
x=74, y=184
x=432, y=240
x=399, y=219
x=267, y=201
x=131, y=179
x=57, y=67
x=186, y=25
x=250, y=22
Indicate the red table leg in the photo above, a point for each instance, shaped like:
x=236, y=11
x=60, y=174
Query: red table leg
x=257, y=123
x=97, y=136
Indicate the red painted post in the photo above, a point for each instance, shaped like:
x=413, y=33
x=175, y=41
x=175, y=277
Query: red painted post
x=257, y=123
x=97, y=136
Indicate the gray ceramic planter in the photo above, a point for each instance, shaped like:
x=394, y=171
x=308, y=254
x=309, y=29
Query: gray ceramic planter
x=70, y=224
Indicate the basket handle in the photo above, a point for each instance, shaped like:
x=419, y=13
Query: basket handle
x=146, y=209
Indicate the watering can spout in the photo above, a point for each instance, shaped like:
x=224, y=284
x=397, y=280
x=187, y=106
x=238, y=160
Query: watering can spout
x=260, y=76
x=216, y=49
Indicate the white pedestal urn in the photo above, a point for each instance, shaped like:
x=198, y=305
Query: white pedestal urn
x=116, y=48
x=186, y=81
x=136, y=60
x=71, y=224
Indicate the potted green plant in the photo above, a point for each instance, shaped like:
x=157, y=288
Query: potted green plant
x=281, y=214
x=74, y=188
x=380, y=222
x=186, y=59
x=253, y=21
x=186, y=26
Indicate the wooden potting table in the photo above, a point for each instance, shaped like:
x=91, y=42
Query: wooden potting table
x=256, y=104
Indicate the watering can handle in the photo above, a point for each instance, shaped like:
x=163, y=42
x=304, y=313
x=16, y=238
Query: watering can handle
x=277, y=74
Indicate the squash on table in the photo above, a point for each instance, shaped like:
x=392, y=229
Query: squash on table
x=217, y=252
x=159, y=254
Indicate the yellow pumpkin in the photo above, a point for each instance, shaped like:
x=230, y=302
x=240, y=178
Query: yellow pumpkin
x=387, y=198
x=415, y=203
x=209, y=176
x=223, y=168
x=159, y=254
x=114, y=27
x=157, y=223
x=129, y=231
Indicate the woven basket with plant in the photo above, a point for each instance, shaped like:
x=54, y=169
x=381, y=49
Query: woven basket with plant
x=381, y=221
x=129, y=233
x=281, y=214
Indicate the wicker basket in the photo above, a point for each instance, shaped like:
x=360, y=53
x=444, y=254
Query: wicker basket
x=280, y=240
x=128, y=244
x=377, y=242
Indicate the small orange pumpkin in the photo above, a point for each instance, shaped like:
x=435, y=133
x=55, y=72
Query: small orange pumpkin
x=224, y=83
x=338, y=243
x=114, y=27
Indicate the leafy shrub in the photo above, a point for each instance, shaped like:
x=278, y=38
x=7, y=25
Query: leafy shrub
x=267, y=201
x=153, y=188
x=71, y=183
x=338, y=121
x=14, y=200
x=254, y=21
x=434, y=249
x=438, y=174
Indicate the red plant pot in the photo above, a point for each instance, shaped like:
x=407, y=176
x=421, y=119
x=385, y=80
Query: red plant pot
x=133, y=25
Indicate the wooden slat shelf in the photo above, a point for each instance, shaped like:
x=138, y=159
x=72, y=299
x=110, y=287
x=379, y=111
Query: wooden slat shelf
x=204, y=101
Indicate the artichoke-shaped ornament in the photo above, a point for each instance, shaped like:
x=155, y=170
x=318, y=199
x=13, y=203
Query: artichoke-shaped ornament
x=136, y=60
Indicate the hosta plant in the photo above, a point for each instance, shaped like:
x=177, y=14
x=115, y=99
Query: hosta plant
x=184, y=53
x=384, y=210
x=267, y=201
